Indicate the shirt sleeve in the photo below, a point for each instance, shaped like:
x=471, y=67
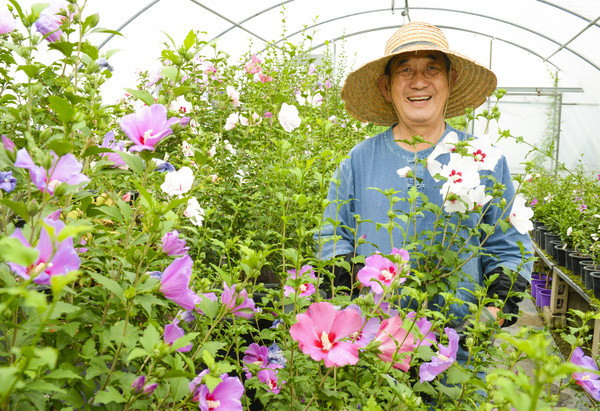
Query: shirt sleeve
x=503, y=249
x=336, y=235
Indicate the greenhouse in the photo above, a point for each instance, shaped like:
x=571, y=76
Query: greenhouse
x=299, y=205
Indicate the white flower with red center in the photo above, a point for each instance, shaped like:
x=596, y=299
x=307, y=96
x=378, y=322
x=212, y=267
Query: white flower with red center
x=178, y=182
x=456, y=199
x=460, y=174
x=520, y=215
x=484, y=154
x=447, y=145
x=479, y=197
x=187, y=149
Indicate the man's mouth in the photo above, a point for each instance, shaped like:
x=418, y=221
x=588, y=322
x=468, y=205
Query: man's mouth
x=421, y=98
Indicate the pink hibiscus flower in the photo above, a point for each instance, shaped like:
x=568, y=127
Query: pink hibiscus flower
x=320, y=332
x=379, y=271
x=175, y=283
x=147, y=126
x=395, y=340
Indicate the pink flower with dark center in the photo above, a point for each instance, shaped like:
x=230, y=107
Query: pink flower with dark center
x=270, y=377
x=305, y=289
x=237, y=303
x=147, y=126
x=445, y=357
x=65, y=169
x=175, y=283
x=173, y=332
x=226, y=396
x=379, y=271
x=54, y=257
x=395, y=341
x=322, y=331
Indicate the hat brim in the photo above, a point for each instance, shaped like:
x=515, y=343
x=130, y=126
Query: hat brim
x=364, y=100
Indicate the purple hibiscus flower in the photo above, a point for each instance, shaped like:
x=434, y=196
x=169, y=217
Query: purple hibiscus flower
x=173, y=332
x=306, y=288
x=7, y=181
x=109, y=142
x=147, y=126
x=54, y=258
x=225, y=396
x=65, y=169
x=49, y=26
x=588, y=380
x=258, y=354
x=172, y=245
x=175, y=283
x=230, y=298
x=443, y=360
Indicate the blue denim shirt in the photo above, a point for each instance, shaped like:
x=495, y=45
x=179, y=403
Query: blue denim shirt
x=374, y=163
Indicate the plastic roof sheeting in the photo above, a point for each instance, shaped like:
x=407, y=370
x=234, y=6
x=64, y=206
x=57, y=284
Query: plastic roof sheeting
x=523, y=41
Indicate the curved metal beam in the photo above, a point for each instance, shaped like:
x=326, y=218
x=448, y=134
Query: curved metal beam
x=135, y=16
x=229, y=20
x=568, y=11
x=453, y=11
x=442, y=27
x=249, y=18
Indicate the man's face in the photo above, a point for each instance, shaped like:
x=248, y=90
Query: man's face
x=419, y=87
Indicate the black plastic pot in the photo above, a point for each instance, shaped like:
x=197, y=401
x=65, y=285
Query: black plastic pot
x=596, y=283
x=548, y=238
x=560, y=251
x=587, y=270
x=576, y=260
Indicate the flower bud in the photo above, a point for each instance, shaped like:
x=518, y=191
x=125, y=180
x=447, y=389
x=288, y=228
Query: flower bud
x=32, y=208
x=149, y=389
x=138, y=384
x=60, y=189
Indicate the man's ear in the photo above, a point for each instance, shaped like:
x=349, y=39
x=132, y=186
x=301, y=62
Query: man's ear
x=384, y=84
x=453, y=77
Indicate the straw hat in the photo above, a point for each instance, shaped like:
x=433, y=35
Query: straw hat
x=365, y=101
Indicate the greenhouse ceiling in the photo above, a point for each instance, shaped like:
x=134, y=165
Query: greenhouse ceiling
x=522, y=40
x=525, y=42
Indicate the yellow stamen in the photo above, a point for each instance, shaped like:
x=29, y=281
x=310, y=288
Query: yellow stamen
x=325, y=341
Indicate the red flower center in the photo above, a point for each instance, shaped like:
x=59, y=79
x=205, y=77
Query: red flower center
x=455, y=176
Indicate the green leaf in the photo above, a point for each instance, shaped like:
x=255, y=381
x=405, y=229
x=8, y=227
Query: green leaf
x=185, y=340
x=135, y=163
x=60, y=147
x=457, y=375
x=372, y=405
x=64, y=47
x=211, y=382
x=109, y=284
x=18, y=207
x=208, y=307
x=63, y=373
x=59, y=282
x=47, y=356
x=142, y=95
x=17, y=252
x=110, y=395
x=150, y=339
x=75, y=229
x=148, y=302
x=30, y=69
x=171, y=72
x=90, y=50
x=7, y=376
x=189, y=40
x=63, y=108
x=137, y=352
x=88, y=350
x=112, y=212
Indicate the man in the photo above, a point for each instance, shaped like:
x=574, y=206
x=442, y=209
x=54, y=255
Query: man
x=417, y=85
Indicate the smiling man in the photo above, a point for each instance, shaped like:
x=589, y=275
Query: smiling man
x=412, y=89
